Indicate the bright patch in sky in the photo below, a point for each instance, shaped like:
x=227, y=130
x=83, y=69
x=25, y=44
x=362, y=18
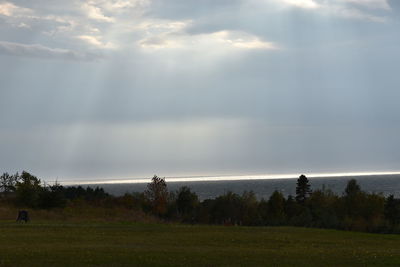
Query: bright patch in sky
x=302, y=3
x=231, y=178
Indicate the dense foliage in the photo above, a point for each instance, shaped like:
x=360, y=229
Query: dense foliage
x=353, y=210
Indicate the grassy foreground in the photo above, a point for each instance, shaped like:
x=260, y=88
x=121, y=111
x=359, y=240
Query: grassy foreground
x=116, y=244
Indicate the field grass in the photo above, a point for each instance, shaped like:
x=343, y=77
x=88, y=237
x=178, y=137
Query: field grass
x=115, y=244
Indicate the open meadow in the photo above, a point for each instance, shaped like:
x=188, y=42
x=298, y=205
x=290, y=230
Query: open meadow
x=50, y=243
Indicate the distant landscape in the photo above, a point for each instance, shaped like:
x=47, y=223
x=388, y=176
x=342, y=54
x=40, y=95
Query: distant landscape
x=352, y=209
x=157, y=227
x=262, y=188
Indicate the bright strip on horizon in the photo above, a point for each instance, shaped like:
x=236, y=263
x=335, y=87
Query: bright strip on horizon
x=229, y=178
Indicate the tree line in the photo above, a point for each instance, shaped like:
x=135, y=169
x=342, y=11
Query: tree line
x=26, y=190
x=354, y=210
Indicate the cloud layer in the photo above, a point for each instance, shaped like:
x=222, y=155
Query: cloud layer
x=40, y=51
x=84, y=26
x=136, y=87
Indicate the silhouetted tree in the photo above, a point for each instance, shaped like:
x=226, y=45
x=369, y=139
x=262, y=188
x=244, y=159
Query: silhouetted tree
x=227, y=209
x=249, y=209
x=353, y=199
x=28, y=189
x=8, y=183
x=373, y=210
x=205, y=211
x=364, y=212
x=276, y=209
x=52, y=197
x=392, y=210
x=352, y=188
x=291, y=207
x=157, y=195
x=303, y=190
x=186, y=202
x=323, y=207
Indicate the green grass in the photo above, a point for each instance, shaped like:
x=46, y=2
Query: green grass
x=133, y=244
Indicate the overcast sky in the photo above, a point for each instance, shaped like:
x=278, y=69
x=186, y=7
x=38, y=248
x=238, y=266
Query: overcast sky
x=131, y=88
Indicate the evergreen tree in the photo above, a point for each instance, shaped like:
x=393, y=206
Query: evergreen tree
x=303, y=190
x=352, y=188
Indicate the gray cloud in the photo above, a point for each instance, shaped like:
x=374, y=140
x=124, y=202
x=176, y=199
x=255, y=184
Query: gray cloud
x=40, y=51
x=174, y=96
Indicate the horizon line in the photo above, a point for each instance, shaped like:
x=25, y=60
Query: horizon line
x=217, y=178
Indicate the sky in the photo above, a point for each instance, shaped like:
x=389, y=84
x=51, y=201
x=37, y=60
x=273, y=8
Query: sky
x=109, y=89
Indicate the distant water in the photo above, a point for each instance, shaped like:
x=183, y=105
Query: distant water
x=385, y=184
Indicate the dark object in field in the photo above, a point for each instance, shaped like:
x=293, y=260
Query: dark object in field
x=23, y=216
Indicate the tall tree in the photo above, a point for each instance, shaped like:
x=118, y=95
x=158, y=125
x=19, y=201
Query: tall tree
x=157, y=195
x=392, y=210
x=28, y=189
x=276, y=208
x=303, y=190
x=352, y=188
x=186, y=202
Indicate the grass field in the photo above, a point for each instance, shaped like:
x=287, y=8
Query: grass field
x=116, y=244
